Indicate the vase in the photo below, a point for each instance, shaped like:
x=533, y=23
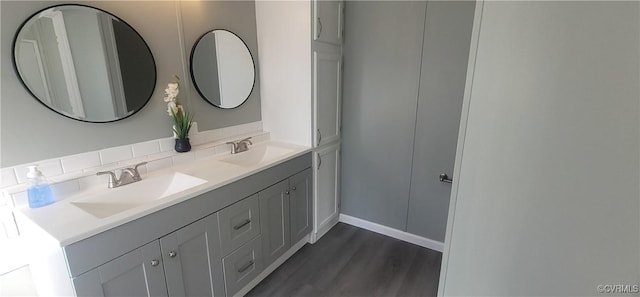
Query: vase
x=182, y=145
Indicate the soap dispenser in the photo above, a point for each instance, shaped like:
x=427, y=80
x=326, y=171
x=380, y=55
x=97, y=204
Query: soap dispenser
x=39, y=191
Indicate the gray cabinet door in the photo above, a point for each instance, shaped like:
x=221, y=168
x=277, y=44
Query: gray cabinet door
x=326, y=186
x=300, y=205
x=137, y=273
x=274, y=221
x=192, y=259
x=327, y=94
x=239, y=223
x=327, y=21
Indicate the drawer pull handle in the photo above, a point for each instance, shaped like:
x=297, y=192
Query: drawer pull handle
x=245, y=266
x=244, y=223
x=155, y=263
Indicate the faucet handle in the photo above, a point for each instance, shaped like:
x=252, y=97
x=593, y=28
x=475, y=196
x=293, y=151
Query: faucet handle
x=113, y=180
x=138, y=165
x=234, y=146
x=134, y=171
x=248, y=139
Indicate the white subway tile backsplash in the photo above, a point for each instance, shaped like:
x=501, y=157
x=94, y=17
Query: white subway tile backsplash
x=159, y=153
x=116, y=154
x=80, y=161
x=146, y=148
x=167, y=144
x=20, y=199
x=7, y=177
x=47, y=167
x=159, y=164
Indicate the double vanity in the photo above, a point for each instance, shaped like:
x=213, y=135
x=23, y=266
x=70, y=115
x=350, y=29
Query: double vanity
x=214, y=227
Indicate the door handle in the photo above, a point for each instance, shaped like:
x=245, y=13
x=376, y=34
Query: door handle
x=319, y=28
x=444, y=178
x=319, y=136
x=245, y=266
x=242, y=224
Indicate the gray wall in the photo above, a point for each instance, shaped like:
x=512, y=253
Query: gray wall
x=548, y=198
x=29, y=131
x=404, y=79
x=382, y=53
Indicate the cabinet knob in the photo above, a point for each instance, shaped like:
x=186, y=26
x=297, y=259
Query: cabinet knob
x=155, y=263
x=293, y=188
x=286, y=193
x=172, y=254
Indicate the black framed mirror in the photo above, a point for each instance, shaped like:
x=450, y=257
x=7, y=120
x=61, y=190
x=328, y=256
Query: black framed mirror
x=84, y=63
x=222, y=69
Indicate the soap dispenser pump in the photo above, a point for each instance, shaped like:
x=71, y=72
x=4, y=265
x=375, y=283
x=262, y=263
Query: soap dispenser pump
x=39, y=191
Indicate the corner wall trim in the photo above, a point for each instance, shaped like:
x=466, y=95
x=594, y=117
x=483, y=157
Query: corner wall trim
x=395, y=233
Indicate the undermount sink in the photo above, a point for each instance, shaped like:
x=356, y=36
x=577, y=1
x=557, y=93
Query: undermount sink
x=257, y=155
x=108, y=202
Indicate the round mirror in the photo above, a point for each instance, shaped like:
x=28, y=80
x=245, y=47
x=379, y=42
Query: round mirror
x=222, y=69
x=84, y=63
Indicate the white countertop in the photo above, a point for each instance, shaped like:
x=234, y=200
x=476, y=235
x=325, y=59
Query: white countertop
x=66, y=223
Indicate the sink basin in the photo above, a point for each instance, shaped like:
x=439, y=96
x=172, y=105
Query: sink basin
x=257, y=155
x=108, y=202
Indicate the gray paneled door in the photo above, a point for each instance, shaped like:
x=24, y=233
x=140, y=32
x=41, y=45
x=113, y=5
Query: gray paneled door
x=447, y=37
x=192, y=259
x=300, y=205
x=274, y=221
x=137, y=273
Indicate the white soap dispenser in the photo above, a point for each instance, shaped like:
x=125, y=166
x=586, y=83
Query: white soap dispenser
x=39, y=191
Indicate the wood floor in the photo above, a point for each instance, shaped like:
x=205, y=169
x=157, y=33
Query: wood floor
x=349, y=261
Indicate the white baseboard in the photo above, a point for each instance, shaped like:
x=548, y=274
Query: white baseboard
x=271, y=268
x=324, y=228
x=395, y=233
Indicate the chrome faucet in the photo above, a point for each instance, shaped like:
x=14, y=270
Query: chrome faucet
x=240, y=145
x=127, y=176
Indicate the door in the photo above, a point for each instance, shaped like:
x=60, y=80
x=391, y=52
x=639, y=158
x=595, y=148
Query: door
x=274, y=221
x=326, y=186
x=327, y=17
x=300, y=205
x=327, y=95
x=537, y=210
x=137, y=273
x=192, y=259
x=447, y=37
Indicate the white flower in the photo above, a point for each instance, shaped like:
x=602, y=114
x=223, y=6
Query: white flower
x=172, y=108
x=172, y=90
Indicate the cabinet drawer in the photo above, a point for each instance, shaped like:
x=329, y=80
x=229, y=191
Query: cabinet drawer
x=242, y=266
x=239, y=223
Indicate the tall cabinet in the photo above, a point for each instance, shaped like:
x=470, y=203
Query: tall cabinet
x=326, y=84
x=300, y=48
